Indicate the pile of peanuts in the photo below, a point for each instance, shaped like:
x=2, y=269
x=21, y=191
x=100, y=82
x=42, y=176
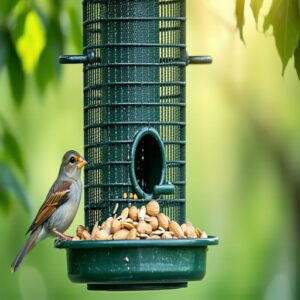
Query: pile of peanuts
x=144, y=223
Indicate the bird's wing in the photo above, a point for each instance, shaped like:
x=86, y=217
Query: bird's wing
x=57, y=196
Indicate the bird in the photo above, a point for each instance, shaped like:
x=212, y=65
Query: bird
x=60, y=206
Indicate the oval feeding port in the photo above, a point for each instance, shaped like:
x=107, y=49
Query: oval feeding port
x=148, y=162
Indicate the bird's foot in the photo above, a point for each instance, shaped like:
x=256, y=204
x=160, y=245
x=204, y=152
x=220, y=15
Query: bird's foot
x=62, y=235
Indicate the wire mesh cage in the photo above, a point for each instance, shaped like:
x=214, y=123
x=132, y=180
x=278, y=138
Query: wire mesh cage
x=136, y=82
x=134, y=61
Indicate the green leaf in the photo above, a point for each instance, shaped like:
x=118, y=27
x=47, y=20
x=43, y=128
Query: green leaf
x=44, y=71
x=48, y=67
x=15, y=73
x=32, y=41
x=297, y=59
x=19, y=22
x=12, y=149
x=76, y=32
x=7, y=6
x=10, y=184
x=256, y=6
x=5, y=199
x=240, y=17
x=3, y=52
x=284, y=18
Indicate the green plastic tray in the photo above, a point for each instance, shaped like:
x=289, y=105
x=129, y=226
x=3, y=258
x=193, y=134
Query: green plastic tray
x=136, y=264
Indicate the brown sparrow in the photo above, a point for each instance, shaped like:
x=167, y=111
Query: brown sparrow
x=60, y=207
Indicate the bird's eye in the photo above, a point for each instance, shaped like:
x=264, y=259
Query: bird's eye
x=72, y=160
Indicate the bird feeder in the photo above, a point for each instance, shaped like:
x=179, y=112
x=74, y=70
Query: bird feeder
x=134, y=63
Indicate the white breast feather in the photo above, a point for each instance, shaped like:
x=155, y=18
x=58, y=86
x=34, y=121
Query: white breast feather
x=64, y=215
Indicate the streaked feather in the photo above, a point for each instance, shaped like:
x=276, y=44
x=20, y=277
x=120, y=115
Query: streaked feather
x=57, y=196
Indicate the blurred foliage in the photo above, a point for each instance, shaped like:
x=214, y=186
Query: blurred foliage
x=11, y=165
x=32, y=36
x=34, y=33
x=243, y=173
x=284, y=17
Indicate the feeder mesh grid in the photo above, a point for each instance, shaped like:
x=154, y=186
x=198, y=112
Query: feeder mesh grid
x=137, y=80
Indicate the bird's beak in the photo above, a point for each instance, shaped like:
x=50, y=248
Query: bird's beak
x=81, y=162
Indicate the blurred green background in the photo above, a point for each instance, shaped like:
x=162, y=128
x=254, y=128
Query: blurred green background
x=243, y=156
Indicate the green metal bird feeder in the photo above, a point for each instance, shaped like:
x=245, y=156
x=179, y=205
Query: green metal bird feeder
x=134, y=65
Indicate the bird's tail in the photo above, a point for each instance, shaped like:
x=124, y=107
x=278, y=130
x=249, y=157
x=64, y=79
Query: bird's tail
x=30, y=243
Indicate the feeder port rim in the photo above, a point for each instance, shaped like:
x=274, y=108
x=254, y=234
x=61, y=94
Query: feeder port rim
x=198, y=242
x=142, y=133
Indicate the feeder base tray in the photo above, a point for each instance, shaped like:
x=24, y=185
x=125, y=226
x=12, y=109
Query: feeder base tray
x=136, y=287
x=136, y=264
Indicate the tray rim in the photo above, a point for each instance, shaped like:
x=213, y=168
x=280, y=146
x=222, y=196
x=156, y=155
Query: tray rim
x=198, y=242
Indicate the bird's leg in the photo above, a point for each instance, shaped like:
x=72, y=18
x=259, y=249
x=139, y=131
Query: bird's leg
x=61, y=235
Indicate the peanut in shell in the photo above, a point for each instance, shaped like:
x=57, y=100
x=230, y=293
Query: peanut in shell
x=153, y=237
x=124, y=213
x=142, y=227
x=132, y=234
x=152, y=208
x=82, y=233
x=101, y=235
x=127, y=226
x=121, y=234
x=148, y=228
x=142, y=213
x=190, y=232
x=115, y=226
x=154, y=223
x=175, y=227
x=133, y=213
x=204, y=235
x=163, y=221
x=166, y=235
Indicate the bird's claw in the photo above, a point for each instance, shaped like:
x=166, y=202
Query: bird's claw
x=66, y=238
x=62, y=236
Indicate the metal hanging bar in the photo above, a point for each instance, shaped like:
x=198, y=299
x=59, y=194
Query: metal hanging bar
x=199, y=60
x=77, y=59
